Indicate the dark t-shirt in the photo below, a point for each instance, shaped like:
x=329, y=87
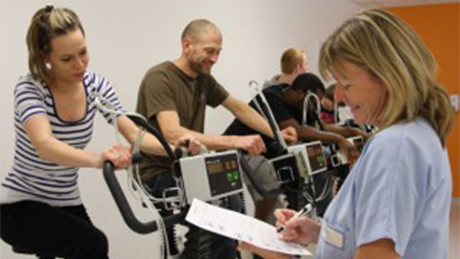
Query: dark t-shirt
x=275, y=98
x=167, y=88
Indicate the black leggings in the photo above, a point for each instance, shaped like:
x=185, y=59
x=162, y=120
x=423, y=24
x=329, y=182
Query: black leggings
x=38, y=228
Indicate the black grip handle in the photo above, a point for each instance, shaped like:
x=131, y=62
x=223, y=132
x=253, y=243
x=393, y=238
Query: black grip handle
x=126, y=211
x=122, y=203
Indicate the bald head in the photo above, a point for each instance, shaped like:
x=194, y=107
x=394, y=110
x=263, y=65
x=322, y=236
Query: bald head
x=199, y=27
x=201, y=46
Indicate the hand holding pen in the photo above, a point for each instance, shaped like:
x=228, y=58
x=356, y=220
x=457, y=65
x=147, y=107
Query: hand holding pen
x=296, y=228
x=305, y=210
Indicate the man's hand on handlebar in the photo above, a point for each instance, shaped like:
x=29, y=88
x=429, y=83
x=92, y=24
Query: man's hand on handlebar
x=290, y=135
x=349, y=150
x=192, y=145
x=252, y=144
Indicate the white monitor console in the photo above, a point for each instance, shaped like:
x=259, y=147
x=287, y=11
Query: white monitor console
x=311, y=159
x=341, y=159
x=302, y=160
x=211, y=176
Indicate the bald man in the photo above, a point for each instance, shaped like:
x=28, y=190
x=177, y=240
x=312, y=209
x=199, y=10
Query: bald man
x=174, y=95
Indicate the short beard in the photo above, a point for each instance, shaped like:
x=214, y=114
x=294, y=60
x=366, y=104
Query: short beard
x=198, y=66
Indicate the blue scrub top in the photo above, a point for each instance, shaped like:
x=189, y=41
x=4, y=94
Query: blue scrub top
x=399, y=189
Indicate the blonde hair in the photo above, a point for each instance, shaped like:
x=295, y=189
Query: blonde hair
x=290, y=59
x=47, y=23
x=388, y=49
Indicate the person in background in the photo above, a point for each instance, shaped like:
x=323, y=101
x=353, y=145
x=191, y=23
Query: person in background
x=286, y=103
x=41, y=209
x=328, y=111
x=293, y=63
x=396, y=201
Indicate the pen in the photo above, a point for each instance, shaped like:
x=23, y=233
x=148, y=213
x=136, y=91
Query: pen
x=306, y=209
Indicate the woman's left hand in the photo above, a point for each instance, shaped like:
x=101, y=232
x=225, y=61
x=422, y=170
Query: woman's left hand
x=267, y=254
x=119, y=155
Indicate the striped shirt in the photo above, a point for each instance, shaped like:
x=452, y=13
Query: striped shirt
x=32, y=178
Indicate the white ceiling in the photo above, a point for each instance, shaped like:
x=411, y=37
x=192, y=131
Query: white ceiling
x=400, y=3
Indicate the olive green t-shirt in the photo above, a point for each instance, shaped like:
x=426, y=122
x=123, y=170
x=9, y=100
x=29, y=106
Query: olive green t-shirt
x=166, y=88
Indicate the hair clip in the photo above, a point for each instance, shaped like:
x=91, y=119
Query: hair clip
x=49, y=8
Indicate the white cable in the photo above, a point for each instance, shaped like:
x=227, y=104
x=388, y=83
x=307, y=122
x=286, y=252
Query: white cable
x=336, y=112
x=108, y=108
x=324, y=193
x=254, y=87
x=145, y=198
x=306, y=102
x=157, y=217
x=270, y=114
x=326, y=189
x=134, y=179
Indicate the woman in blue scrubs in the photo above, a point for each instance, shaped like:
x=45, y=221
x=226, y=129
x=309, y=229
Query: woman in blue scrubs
x=396, y=201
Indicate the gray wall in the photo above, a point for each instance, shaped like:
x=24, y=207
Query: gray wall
x=125, y=38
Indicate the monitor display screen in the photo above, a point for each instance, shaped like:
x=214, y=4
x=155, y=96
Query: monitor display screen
x=316, y=157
